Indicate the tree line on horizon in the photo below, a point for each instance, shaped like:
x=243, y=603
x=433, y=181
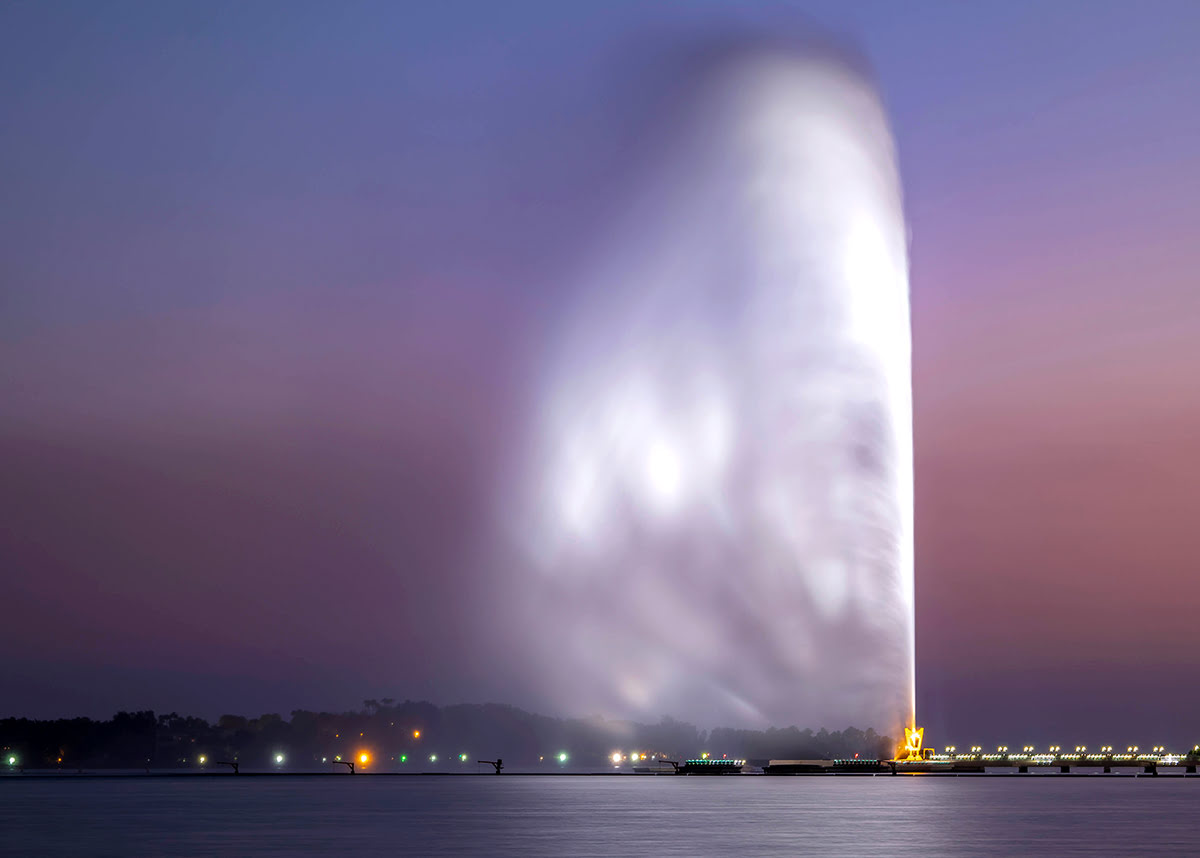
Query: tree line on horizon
x=401, y=736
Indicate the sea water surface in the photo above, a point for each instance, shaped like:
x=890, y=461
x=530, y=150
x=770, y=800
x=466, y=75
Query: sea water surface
x=513, y=815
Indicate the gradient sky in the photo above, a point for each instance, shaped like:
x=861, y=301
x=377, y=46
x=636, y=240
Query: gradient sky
x=270, y=272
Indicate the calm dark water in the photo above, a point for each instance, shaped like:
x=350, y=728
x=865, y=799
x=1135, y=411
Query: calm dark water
x=1036, y=815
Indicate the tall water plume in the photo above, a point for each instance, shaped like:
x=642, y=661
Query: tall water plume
x=717, y=507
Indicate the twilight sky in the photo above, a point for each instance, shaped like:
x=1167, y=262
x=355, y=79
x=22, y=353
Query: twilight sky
x=272, y=277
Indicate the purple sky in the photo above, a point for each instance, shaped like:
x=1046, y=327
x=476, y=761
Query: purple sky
x=270, y=273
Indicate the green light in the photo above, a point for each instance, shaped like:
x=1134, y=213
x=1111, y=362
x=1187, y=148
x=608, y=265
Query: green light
x=562, y=757
x=12, y=761
x=404, y=758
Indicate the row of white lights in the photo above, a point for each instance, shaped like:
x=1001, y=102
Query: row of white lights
x=1056, y=752
x=279, y=758
x=202, y=759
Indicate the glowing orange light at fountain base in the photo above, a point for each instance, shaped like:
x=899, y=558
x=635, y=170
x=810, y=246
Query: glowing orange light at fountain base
x=910, y=751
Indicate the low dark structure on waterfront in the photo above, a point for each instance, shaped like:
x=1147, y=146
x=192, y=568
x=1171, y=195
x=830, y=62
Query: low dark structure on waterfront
x=711, y=767
x=820, y=767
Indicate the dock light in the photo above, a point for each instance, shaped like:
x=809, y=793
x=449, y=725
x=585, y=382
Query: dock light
x=562, y=756
x=364, y=758
x=1002, y=749
x=616, y=758
x=416, y=734
x=950, y=749
x=704, y=756
x=12, y=761
x=433, y=758
x=202, y=759
x=462, y=758
x=278, y=758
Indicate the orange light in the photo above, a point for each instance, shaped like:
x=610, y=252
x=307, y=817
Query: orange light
x=416, y=734
x=364, y=758
x=912, y=743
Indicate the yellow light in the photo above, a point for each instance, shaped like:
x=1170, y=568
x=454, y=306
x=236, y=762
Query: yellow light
x=704, y=756
x=203, y=759
x=911, y=750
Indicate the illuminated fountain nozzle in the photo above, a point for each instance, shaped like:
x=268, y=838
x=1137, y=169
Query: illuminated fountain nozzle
x=911, y=750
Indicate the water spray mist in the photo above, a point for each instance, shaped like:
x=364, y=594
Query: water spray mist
x=718, y=520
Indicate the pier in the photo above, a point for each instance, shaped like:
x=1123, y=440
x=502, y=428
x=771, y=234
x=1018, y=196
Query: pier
x=1027, y=759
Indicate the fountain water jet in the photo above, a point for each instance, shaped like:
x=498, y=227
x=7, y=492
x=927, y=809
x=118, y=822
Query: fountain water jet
x=718, y=519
